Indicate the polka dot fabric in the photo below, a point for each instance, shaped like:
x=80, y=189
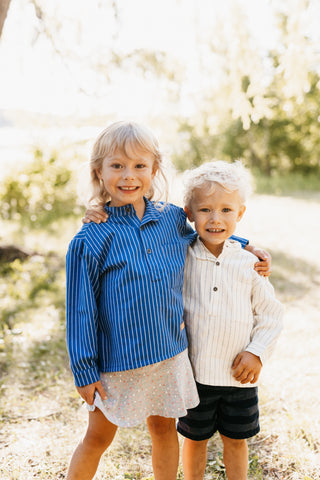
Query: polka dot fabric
x=166, y=388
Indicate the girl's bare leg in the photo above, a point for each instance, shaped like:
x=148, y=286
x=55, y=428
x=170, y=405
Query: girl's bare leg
x=165, y=447
x=235, y=457
x=86, y=457
x=194, y=459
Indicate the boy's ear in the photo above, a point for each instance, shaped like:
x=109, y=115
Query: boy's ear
x=189, y=214
x=242, y=209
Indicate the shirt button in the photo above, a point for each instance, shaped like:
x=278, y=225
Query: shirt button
x=128, y=209
x=215, y=289
x=149, y=250
x=218, y=263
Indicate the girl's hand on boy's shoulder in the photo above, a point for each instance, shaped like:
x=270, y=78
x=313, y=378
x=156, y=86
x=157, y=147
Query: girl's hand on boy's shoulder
x=87, y=392
x=96, y=215
x=263, y=267
x=246, y=367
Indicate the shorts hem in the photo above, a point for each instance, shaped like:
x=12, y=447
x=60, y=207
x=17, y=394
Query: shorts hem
x=240, y=436
x=197, y=438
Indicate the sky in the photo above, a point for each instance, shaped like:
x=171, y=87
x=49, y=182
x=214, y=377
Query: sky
x=39, y=76
x=37, y=79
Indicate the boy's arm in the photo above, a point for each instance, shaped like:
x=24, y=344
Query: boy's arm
x=268, y=313
x=246, y=367
x=267, y=318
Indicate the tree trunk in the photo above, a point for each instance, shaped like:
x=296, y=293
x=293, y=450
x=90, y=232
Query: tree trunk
x=4, y=6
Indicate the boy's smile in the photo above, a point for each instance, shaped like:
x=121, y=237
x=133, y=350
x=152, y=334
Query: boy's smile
x=215, y=213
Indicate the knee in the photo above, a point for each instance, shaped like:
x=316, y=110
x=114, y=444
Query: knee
x=234, y=443
x=160, y=426
x=95, y=442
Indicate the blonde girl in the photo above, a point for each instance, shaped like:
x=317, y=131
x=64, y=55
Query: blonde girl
x=125, y=332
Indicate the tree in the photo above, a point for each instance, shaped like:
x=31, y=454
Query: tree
x=273, y=125
x=4, y=7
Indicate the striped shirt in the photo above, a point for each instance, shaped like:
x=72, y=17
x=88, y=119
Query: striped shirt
x=228, y=308
x=124, y=291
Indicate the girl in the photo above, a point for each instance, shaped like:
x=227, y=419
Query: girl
x=125, y=332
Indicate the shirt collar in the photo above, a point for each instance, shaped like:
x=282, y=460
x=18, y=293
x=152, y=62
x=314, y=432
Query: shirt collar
x=151, y=213
x=200, y=251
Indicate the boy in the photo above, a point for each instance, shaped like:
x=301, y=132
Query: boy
x=232, y=320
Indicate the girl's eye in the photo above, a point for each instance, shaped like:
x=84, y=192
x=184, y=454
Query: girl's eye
x=116, y=165
x=140, y=165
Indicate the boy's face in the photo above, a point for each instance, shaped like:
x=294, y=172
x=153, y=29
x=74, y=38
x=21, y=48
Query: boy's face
x=215, y=214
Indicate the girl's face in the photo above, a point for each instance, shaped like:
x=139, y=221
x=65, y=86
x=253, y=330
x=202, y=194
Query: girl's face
x=128, y=179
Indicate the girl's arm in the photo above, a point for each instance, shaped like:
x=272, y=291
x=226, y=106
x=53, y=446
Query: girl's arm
x=263, y=267
x=82, y=289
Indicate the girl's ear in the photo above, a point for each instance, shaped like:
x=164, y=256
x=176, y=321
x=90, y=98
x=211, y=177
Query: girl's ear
x=154, y=169
x=98, y=172
x=189, y=214
x=242, y=209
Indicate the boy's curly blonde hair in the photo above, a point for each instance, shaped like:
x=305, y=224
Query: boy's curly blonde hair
x=129, y=139
x=231, y=176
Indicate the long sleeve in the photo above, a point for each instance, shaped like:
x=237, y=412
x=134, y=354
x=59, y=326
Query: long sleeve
x=241, y=240
x=268, y=314
x=82, y=314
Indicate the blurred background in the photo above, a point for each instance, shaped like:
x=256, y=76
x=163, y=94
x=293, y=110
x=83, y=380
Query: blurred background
x=225, y=80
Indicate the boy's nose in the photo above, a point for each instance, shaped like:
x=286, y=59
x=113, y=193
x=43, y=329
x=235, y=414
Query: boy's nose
x=214, y=217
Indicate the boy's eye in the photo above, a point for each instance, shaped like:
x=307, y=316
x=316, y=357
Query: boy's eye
x=204, y=209
x=226, y=210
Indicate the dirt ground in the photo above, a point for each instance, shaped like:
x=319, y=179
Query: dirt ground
x=42, y=418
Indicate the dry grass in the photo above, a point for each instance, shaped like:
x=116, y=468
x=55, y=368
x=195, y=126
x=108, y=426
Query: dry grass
x=42, y=417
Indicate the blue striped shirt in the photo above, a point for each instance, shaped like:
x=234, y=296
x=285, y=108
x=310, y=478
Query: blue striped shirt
x=124, y=291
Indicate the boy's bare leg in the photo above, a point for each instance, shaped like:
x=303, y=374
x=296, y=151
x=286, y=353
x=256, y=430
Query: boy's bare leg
x=194, y=458
x=86, y=457
x=235, y=457
x=165, y=447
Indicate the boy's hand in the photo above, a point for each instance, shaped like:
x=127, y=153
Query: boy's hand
x=96, y=215
x=246, y=367
x=87, y=392
x=264, y=266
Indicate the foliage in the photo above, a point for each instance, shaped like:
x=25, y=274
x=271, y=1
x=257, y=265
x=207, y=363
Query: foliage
x=25, y=285
x=285, y=142
x=40, y=193
x=268, y=116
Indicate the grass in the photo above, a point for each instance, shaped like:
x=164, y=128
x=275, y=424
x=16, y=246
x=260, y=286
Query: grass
x=42, y=417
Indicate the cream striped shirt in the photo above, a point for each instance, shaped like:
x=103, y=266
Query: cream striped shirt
x=228, y=308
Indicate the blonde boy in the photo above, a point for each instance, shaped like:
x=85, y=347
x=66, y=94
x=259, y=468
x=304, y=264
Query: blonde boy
x=232, y=318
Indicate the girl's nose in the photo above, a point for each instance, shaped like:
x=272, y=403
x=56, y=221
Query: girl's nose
x=128, y=174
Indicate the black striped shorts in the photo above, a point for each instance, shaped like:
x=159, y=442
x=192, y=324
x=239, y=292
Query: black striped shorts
x=232, y=411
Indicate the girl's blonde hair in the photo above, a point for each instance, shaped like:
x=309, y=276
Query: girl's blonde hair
x=231, y=176
x=129, y=139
